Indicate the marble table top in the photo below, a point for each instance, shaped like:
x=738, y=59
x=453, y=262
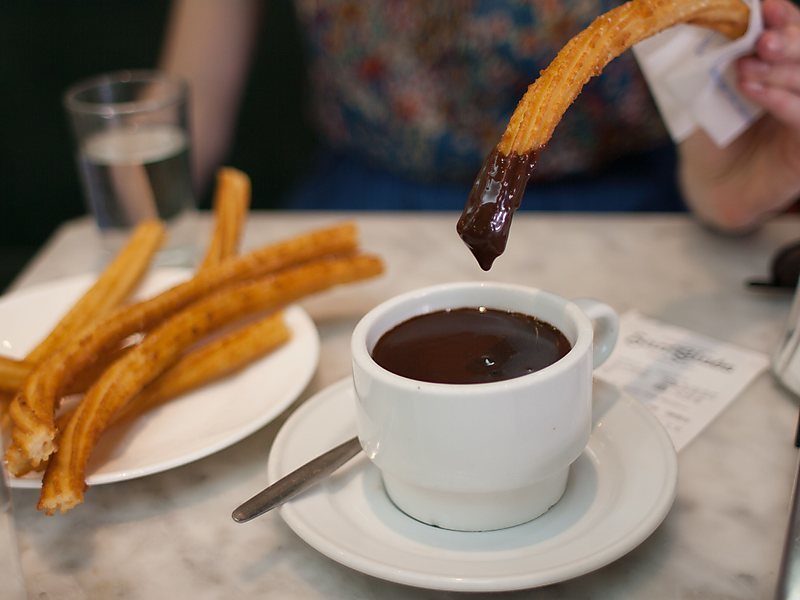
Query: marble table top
x=171, y=535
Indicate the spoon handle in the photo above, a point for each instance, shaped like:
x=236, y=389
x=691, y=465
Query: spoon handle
x=297, y=481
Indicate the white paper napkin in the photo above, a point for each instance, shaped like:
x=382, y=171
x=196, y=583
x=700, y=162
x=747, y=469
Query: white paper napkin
x=690, y=72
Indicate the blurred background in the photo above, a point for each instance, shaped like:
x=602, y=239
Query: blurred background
x=46, y=45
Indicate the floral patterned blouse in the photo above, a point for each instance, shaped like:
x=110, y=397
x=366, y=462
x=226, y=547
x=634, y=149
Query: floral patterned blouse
x=426, y=87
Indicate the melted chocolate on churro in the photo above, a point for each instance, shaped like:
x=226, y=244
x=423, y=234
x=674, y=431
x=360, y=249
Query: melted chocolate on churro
x=497, y=192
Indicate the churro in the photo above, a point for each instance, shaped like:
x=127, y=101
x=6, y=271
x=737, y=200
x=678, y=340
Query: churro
x=13, y=373
x=497, y=192
x=109, y=290
x=210, y=362
x=33, y=408
x=5, y=402
x=198, y=366
x=63, y=484
x=231, y=202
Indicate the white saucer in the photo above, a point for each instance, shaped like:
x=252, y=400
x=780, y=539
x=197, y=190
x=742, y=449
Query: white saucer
x=619, y=491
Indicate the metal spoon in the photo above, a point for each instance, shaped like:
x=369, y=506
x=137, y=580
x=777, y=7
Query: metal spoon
x=297, y=481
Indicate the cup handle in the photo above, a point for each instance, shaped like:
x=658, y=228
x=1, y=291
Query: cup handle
x=605, y=323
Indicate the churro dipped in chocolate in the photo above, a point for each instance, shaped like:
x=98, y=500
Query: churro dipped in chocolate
x=485, y=223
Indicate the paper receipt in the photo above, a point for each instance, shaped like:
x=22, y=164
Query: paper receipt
x=685, y=378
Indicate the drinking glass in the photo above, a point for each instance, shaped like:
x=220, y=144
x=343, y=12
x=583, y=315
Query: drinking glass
x=133, y=153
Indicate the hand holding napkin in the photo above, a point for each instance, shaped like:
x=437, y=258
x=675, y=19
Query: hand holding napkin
x=690, y=71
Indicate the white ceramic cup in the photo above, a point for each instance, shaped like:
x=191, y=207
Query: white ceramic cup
x=485, y=456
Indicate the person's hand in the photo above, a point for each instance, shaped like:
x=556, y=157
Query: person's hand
x=737, y=187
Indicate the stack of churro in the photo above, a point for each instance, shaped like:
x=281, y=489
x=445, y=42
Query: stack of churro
x=497, y=192
x=127, y=358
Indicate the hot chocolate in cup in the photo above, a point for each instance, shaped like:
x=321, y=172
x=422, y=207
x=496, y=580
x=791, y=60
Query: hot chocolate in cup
x=488, y=455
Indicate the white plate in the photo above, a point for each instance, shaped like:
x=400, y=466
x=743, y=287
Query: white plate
x=188, y=428
x=619, y=491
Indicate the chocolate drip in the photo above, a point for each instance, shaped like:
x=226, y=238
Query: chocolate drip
x=485, y=222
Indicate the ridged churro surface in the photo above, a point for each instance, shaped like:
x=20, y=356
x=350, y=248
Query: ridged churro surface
x=497, y=192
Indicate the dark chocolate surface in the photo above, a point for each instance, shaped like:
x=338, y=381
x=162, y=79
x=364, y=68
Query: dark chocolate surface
x=469, y=345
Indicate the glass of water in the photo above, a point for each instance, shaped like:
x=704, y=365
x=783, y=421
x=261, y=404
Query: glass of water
x=133, y=153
